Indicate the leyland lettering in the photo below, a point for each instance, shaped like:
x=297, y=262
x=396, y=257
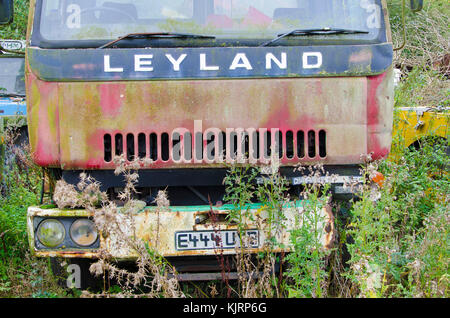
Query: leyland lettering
x=144, y=62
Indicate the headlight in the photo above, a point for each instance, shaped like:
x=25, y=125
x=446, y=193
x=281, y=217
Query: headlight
x=51, y=233
x=83, y=232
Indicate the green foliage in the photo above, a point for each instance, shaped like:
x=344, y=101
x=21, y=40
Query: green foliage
x=306, y=275
x=13, y=211
x=45, y=294
x=423, y=87
x=307, y=262
x=400, y=231
x=243, y=188
x=21, y=275
x=272, y=193
x=240, y=191
x=18, y=29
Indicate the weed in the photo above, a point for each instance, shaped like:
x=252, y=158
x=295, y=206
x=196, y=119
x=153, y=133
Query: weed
x=17, y=29
x=155, y=277
x=307, y=275
x=257, y=275
x=390, y=253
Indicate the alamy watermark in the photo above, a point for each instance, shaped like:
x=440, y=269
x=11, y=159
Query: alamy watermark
x=74, y=278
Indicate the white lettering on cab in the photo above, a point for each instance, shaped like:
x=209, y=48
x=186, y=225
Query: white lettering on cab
x=204, y=67
x=144, y=62
x=307, y=57
x=271, y=58
x=108, y=68
x=241, y=61
x=176, y=62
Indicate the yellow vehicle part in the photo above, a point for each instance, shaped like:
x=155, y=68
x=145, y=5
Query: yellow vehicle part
x=414, y=124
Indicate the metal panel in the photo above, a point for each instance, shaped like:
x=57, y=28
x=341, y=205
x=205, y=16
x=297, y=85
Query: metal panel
x=88, y=112
x=210, y=63
x=158, y=229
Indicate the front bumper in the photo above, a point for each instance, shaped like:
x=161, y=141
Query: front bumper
x=161, y=230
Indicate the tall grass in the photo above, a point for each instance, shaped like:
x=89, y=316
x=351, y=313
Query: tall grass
x=21, y=275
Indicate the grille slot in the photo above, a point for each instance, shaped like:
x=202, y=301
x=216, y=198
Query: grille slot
x=322, y=144
x=290, y=145
x=130, y=147
x=107, y=146
x=311, y=143
x=154, y=146
x=165, y=147
x=217, y=146
x=142, y=146
x=118, y=144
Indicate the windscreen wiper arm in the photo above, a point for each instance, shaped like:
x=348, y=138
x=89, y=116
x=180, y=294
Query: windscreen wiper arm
x=168, y=35
x=306, y=32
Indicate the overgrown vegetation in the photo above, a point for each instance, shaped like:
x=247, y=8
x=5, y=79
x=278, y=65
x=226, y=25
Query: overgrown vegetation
x=21, y=275
x=154, y=276
x=400, y=236
x=392, y=240
x=18, y=29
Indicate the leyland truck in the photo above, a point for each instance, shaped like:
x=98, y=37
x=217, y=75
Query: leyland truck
x=193, y=86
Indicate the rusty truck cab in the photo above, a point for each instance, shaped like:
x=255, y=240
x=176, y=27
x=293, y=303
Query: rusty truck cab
x=193, y=85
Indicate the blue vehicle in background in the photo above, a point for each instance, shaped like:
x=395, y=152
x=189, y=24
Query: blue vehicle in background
x=13, y=107
x=12, y=80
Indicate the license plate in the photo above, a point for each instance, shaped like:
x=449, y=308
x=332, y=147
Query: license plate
x=207, y=240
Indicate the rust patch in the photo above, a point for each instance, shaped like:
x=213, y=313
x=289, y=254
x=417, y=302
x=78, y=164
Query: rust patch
x=91, y=110
x=158, y=230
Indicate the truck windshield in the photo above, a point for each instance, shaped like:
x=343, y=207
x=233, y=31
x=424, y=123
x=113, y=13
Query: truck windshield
x=12, y=76
x=71, y=20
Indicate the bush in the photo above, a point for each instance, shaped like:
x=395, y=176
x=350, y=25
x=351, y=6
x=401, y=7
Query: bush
x=21, y=275
x=400, y=231
x=18, y=29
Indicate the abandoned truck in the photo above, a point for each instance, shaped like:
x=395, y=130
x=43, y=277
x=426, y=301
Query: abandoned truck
x=194, y=86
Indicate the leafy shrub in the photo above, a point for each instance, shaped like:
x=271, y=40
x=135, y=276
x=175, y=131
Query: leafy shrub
x=392, y=253
x=18, y=29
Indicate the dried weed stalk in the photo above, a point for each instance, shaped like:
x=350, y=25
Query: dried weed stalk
x=17, y=166
x=154, y=276
x=428, y=39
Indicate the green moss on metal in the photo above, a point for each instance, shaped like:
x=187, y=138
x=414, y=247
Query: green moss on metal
x=48, y=206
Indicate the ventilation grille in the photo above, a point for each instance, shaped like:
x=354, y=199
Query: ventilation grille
x=217, y=146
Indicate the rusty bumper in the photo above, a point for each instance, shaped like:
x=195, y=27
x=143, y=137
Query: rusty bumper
x=180, y=231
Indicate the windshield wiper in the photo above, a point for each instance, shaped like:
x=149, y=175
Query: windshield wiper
x=162, y=35
x=306, y=32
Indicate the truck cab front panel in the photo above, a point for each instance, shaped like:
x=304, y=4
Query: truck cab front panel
x=193, y=86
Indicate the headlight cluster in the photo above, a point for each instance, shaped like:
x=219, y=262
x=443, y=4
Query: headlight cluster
x=51, y=233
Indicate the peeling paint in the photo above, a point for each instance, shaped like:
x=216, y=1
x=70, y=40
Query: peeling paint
x=158, y=230
x=71, y=131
